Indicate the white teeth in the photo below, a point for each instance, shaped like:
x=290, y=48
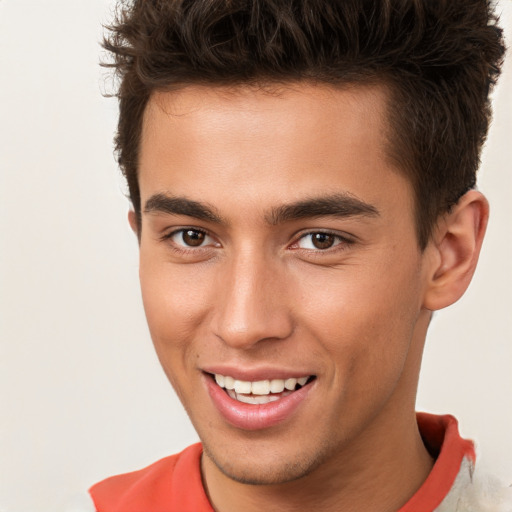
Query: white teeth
x=258, y=399
x=266, y=399
x=242, y=386
x=246, y=399
x=255, y=399
x=290, y=384
x=229, y=382
x=260, y=388
x=277, y=386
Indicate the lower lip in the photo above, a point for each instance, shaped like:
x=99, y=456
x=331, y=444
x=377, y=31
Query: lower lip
x=258, y=416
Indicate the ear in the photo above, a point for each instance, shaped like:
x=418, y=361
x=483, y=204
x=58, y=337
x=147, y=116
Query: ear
x=132, y=219
x=456, y=246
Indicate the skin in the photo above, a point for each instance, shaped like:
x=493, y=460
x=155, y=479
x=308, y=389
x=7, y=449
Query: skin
x=256, y=293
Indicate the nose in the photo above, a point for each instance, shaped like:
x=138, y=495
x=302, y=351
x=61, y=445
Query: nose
x=251, y=306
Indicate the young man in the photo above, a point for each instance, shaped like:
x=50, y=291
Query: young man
x=302, y=178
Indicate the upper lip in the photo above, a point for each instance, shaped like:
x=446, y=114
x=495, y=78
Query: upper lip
x=256, y=374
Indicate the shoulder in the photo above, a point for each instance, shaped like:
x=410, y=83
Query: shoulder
x=486, y=494
x=135, y=479
x=162, y=482
x=477, y=491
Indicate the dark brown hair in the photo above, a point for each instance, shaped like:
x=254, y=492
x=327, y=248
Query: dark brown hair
x=439, y=59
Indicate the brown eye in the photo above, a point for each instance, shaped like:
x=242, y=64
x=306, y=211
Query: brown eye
x=193, y=238
x=322, y=240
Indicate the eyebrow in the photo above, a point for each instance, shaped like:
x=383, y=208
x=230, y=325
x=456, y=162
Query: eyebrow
x=161, y=203
x=336, y=205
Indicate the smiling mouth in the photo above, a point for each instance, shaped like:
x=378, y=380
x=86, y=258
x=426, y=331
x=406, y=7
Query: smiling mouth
x=261, y=391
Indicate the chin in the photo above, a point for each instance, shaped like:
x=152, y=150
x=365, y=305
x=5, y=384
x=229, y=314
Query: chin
x=270, y=470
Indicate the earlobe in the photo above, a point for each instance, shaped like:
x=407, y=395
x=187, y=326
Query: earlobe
x=457, y=243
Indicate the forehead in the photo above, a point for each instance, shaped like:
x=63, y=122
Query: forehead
x=267, y=145
x=260, y=113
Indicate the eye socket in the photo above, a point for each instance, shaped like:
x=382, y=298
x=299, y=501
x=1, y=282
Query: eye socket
x=319, y=241
x=191, y=238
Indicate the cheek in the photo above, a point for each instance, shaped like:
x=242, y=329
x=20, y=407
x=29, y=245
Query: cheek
x=368, y=346
x=363, y=320
x=371, y=334
x=176, y=299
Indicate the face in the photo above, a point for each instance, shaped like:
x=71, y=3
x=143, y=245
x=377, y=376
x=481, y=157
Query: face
x=280, y=273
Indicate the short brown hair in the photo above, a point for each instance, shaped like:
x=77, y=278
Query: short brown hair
x=439, y=58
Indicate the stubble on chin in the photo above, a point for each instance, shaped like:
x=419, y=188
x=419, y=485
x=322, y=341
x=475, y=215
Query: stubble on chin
x=260, y=473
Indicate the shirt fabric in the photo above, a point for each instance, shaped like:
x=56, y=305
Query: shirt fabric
x=174, y=484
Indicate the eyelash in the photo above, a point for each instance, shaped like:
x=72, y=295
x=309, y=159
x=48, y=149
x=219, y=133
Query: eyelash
x=340, y=242
x=183, y=249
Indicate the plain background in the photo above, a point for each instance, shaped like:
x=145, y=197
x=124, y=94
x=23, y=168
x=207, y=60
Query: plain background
x=82, y=394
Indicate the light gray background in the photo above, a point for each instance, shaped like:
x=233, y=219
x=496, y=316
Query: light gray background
x=82, y=394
